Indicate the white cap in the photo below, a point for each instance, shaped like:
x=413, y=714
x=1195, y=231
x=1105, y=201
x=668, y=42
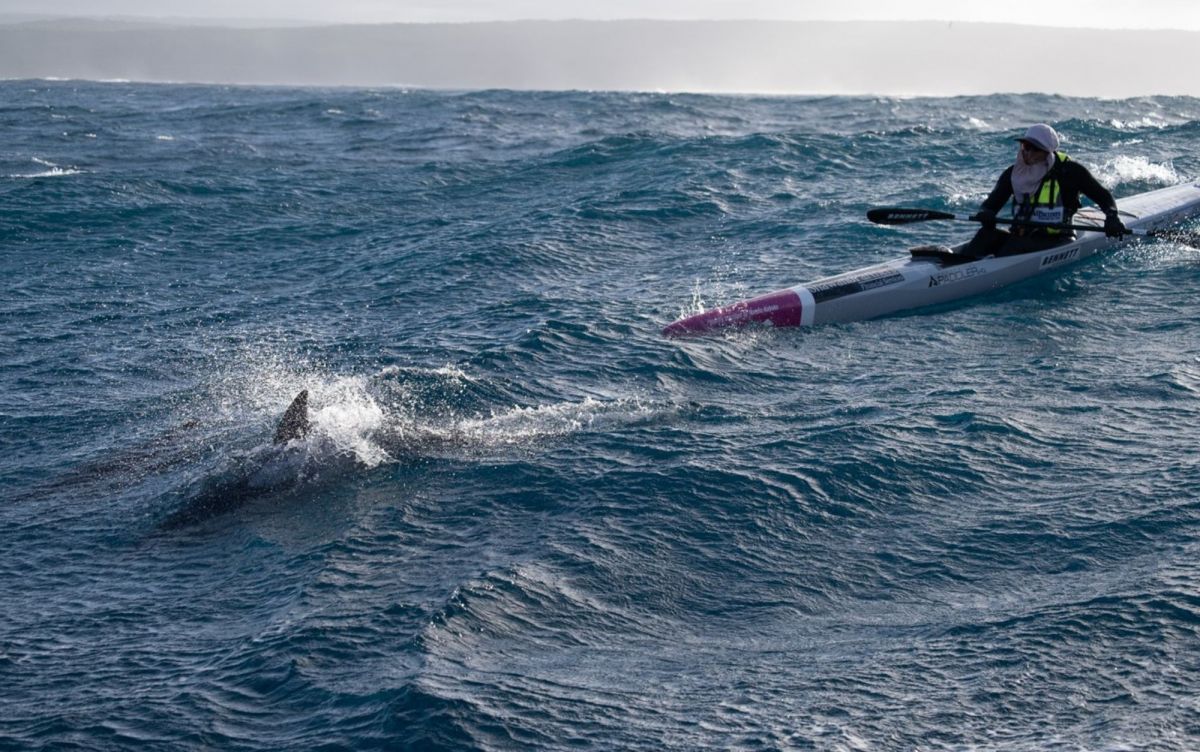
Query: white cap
x=1042, y=136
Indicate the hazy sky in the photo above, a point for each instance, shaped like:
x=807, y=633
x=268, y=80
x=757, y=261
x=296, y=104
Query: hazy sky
x=1160, y=14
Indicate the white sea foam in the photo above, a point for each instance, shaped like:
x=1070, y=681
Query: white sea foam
x=257, y=385
x=348, y=416
x=1148, y=121
x=520, y=425
x=966, y=198
x=449, y=371
x=54, y=171
x=1125, y=169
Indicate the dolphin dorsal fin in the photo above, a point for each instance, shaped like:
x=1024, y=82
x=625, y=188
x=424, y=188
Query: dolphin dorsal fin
x=294, y=424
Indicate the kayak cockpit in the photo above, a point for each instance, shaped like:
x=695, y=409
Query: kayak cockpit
x=940, y=254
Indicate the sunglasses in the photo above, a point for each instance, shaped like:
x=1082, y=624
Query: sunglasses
x=1032, y=148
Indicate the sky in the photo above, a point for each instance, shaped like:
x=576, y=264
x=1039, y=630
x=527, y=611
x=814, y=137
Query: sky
x=1146, y=14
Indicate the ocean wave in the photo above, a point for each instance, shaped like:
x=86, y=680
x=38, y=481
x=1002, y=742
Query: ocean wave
x=1140, y=171
x=521, y=518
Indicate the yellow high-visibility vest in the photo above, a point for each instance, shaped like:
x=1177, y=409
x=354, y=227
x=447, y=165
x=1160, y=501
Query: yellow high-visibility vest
x=1045, y=205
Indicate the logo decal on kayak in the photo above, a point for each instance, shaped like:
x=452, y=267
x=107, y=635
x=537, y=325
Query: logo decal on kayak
x=955, y=275
x=1058, y=258
x=837, y=287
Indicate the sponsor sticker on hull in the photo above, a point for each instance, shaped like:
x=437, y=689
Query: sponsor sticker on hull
x=950, y=276
x=1060, y=257
x=841, y=286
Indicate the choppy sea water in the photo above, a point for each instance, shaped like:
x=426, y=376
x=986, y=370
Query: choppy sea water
x=524, y=519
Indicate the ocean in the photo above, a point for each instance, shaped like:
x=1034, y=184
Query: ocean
x=524, y=519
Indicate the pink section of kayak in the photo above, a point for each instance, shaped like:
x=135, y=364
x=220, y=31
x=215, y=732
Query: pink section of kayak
x=782, y=308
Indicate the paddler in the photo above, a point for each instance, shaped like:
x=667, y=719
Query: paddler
x=1043, y=186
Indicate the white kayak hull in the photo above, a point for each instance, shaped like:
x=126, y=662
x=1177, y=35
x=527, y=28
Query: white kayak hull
x=914, y=282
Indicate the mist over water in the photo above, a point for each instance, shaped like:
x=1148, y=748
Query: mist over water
x=522, y=518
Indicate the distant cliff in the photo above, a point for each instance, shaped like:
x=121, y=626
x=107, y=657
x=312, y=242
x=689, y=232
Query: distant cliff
x=904, y=58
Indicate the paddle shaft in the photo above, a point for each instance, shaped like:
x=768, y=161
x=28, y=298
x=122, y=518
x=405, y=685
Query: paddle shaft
x=909, y=216
x=1042, y=225
x=1176, y=236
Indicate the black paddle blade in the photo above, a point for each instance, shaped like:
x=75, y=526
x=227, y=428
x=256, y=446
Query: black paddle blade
x=897, y=216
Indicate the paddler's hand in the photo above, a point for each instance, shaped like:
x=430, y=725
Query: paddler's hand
x=1113, y=227
x=985, y=217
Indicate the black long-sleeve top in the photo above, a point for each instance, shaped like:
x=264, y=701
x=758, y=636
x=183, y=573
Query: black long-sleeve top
x=1073, y=179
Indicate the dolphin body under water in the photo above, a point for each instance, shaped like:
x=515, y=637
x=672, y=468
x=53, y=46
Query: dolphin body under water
x=271, y=468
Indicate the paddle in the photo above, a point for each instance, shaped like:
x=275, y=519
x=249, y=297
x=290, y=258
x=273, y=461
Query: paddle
x=904, y=216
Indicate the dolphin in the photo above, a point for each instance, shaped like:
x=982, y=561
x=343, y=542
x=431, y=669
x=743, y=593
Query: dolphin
x=267, y=469
x=289, y=462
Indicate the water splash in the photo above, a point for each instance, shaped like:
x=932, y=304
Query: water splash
x=54, y=171
x=380, y=417
x=1125, y=169
x=259, y=382
x=1137, y=124
x=349, y=417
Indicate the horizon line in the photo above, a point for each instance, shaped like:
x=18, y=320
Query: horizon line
x=663, y=92
x=224, y=22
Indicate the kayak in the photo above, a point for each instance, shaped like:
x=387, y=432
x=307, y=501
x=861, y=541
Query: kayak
x=929, y=276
